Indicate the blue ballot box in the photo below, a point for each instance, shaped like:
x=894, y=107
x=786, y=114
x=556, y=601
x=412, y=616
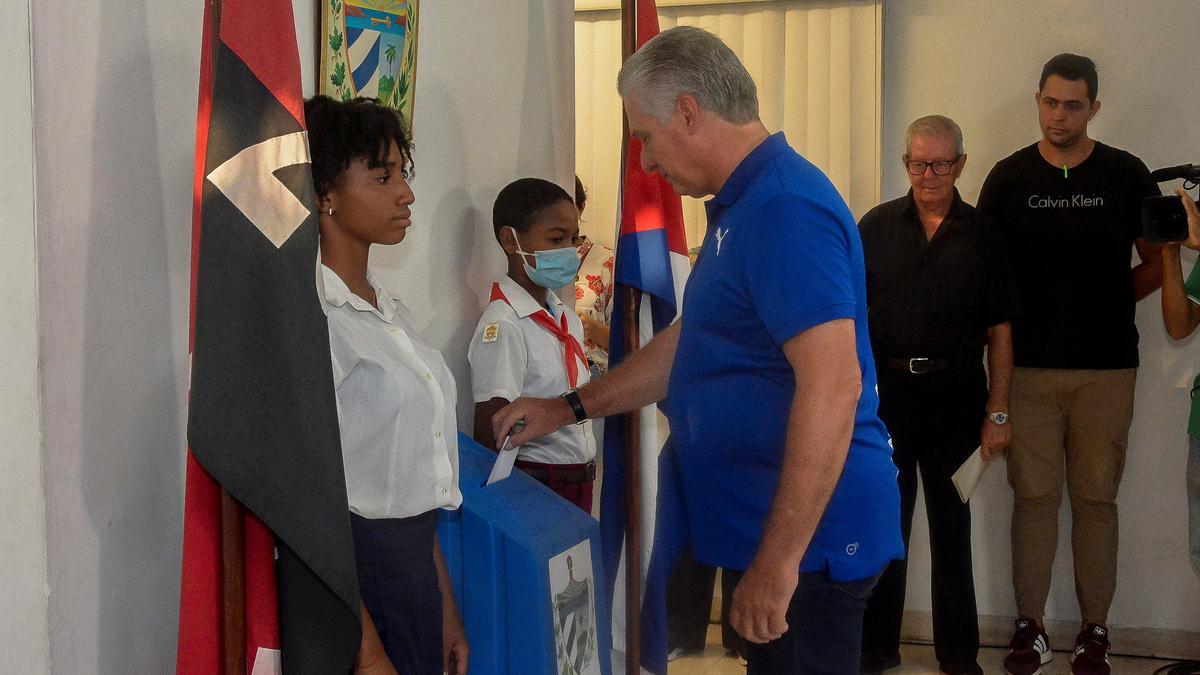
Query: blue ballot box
x=525, y=565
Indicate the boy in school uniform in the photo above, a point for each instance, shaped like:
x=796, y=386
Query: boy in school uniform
x=528, y=342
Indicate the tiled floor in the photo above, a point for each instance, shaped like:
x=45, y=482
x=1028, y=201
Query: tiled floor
x=917, y=659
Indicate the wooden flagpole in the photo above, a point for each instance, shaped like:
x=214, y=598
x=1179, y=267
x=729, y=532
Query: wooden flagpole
x=318, y=49
x=631, y=306
x=233, y=542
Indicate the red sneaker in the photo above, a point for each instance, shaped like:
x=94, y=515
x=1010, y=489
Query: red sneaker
x=1091, y=651
x=1029, y=649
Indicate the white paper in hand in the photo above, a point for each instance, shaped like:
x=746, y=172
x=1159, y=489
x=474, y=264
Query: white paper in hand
x=968, y=475
x=504, y=463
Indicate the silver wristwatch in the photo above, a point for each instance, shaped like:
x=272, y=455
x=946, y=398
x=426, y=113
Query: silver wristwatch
x=998, y=418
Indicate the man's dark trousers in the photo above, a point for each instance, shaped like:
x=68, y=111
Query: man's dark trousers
x=824, y=635
x=934, y=420
x=689, y=604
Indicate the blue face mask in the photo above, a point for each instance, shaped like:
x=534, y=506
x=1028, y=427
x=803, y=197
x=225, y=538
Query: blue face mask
x=555, y=268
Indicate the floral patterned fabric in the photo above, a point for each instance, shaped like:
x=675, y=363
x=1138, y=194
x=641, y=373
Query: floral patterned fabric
x=593, y=297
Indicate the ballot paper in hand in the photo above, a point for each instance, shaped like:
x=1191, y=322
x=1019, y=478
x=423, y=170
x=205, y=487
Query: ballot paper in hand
x=504, y=462
x=968, y=475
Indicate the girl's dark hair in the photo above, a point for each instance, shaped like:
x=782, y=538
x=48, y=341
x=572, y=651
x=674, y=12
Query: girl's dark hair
x=340, y=132
x=520, y=201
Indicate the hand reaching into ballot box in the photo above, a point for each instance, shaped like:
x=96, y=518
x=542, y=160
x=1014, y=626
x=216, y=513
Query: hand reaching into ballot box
x=539, y=416
x=639, y=381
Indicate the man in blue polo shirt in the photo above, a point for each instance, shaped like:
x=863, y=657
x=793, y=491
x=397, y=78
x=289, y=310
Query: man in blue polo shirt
x=770, y=386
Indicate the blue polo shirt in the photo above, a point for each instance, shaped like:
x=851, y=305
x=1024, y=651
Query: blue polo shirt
x=781, y=255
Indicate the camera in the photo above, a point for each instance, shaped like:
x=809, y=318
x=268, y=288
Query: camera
x=1164, y=219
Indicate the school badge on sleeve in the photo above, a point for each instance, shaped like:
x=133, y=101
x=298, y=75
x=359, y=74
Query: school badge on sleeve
x=490, y=332
x=573, y=600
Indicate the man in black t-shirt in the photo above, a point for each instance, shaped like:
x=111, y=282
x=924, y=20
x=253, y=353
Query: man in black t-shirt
x=939, y=291
x=1070, y=207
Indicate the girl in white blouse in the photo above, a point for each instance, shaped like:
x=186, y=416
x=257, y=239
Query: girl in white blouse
x=395, y=395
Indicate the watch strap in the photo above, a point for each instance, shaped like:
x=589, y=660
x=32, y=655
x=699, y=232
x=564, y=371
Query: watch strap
x=573, y=400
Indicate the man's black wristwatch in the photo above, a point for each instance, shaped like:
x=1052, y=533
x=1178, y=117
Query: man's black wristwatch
x=572, y=398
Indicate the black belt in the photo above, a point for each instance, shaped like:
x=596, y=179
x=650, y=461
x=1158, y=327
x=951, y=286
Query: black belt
x=920, y=365
x=568, y=473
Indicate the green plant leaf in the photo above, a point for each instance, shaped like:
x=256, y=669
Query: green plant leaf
x=335, y=40
x=386, y=85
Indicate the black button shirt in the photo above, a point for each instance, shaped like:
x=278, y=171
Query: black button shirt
x=934, y=298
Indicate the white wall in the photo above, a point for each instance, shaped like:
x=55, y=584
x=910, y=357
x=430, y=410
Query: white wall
x=979, y=63
x=115, y=90
x=24, y=633
x=115, y=93
x=495, y=102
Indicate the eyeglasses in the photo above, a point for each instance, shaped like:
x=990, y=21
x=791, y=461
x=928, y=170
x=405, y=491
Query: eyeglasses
x=940, y=167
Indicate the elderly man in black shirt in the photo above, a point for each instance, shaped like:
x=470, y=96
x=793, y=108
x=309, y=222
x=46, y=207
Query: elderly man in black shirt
x=939, y=291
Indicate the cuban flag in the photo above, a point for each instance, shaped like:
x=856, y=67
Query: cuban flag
x=651, y=257
x=262, y=418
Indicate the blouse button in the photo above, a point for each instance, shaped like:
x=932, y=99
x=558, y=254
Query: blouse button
x=445, y=491
x=437, y=434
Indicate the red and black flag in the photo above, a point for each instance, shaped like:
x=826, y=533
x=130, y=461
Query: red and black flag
x=262, y=422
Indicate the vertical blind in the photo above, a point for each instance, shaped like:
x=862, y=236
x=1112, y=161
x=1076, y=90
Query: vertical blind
x=817, y=66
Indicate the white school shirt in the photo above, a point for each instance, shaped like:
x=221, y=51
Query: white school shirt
x=511, y=356
x=396, y=406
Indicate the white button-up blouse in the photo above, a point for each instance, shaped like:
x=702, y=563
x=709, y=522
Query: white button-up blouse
x=396, y=406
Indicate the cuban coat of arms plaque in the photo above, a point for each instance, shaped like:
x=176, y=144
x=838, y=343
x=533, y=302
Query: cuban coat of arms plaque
x=572, y=594
x=369, y=48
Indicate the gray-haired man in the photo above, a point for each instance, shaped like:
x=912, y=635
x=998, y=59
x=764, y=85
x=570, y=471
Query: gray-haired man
x=785, y=466
x=939, y=291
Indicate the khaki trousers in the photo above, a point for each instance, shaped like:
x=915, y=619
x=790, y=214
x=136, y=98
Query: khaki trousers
x=1072, y=424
